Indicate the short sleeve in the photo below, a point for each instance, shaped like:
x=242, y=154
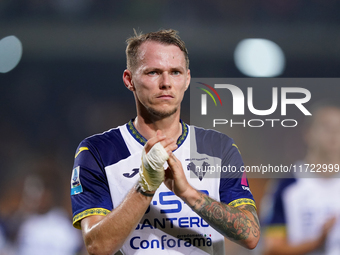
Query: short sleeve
x=234, y=188
x=90, y=193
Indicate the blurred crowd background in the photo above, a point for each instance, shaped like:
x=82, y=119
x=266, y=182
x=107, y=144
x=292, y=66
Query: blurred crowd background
x=68, y=85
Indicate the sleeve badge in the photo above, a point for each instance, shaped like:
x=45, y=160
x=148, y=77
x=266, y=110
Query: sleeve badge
x=76, y=187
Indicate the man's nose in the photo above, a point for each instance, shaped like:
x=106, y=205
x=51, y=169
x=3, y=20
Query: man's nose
x=165, y=81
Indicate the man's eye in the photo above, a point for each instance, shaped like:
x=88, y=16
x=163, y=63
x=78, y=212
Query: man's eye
x=152, y=72
x=176, y=72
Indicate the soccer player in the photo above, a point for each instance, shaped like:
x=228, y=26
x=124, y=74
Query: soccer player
x=119, y=198
x=304, y=218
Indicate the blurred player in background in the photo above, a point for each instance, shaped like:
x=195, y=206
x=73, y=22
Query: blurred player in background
x=124, y=203
x=36, y=221
x=304, y=218
x=45, y=223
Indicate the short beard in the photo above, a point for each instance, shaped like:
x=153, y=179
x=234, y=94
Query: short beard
x=161, y=114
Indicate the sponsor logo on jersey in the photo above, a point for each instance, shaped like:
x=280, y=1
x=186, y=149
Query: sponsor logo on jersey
x=166, y=223
x=168, y=242
x=76, y=187
x=246, y=188
x=130, y=175
x=171, y=207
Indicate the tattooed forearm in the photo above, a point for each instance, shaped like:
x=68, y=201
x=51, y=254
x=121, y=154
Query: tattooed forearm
x=228, y=220
x=256, y=223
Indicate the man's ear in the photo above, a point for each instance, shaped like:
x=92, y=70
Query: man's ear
x=127, y=79
x=188, y=79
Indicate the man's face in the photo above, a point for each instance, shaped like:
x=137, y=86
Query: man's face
x=160, y=79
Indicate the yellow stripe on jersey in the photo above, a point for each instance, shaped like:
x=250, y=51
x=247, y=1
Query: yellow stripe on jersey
x=80, y=150
x=242, y=201
x=277, y=231
x=236, y=147
x=88, y=212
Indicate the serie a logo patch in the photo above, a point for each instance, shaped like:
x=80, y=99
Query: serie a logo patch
x=76, y=187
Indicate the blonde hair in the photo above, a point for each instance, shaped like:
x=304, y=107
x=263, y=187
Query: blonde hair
x=163, y=36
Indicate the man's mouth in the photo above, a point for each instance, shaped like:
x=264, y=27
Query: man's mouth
x=165, y=96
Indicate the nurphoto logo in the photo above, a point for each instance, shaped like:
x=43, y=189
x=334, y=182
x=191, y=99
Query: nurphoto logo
x=294, y=97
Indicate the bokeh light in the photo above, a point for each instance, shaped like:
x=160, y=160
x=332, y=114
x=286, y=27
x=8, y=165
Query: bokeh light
x=259, y=58
x=10, y=53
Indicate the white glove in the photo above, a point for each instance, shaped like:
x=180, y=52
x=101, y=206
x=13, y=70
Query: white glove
x=151, y=171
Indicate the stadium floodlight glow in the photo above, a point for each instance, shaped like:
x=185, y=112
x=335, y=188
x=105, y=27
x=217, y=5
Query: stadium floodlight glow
x=10, y=53
x=259, y=58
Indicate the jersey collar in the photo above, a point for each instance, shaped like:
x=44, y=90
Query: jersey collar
x=142, y=140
